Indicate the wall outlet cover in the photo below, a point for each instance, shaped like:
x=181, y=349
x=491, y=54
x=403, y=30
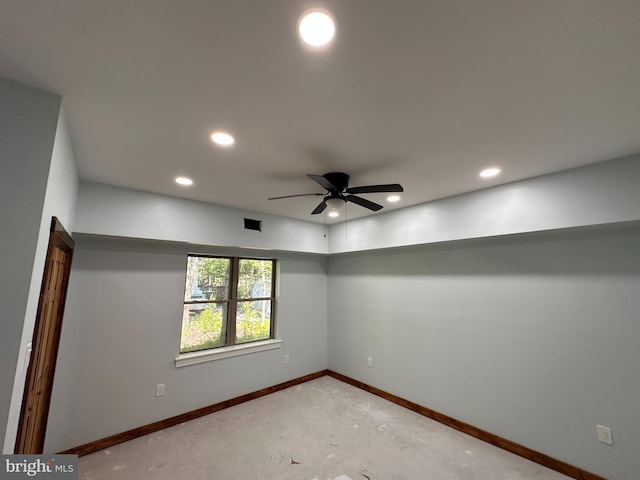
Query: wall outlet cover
x=604, y=434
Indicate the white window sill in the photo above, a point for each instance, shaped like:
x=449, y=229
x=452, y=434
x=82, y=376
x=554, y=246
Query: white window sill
x=185, y=359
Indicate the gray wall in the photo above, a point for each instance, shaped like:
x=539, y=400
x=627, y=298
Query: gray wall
x=531, y=337
x=597, y=194
x=121, y=334
x=59, y=201
x=28, y=119
x=115, y=211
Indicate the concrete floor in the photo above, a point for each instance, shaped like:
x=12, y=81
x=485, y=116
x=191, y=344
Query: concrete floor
x=323, y=430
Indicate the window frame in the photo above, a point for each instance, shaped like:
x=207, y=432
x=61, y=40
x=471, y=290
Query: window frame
x=228, y=329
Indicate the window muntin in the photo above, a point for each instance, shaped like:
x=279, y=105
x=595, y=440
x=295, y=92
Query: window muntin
x=227, y=301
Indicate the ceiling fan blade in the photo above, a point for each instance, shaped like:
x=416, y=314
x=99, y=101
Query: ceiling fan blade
x=298, y=195
x=363, y=202
x=391, y=187
x=320, y=208
x=324, y=183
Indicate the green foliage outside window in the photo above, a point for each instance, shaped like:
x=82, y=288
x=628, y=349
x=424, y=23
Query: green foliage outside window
x=201, y=331
x=209, y=307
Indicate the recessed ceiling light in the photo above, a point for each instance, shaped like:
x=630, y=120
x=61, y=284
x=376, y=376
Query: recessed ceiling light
x=333, y=213
x=185, y=181
x=489, y=172
x=223, y=139
x=316, y=27
x=393, y=198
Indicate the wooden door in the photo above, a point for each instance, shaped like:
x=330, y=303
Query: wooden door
x=46, y=337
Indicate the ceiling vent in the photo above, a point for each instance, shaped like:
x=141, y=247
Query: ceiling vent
x=250, y=224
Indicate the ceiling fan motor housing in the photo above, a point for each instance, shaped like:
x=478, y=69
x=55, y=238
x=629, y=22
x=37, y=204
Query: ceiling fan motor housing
x=338, y=179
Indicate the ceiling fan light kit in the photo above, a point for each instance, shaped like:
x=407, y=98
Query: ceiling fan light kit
x=335, y=202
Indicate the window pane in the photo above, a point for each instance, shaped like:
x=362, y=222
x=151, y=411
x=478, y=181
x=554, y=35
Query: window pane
x=203, y=326
x=253, y=321
x=207, y=279
x=254, y=280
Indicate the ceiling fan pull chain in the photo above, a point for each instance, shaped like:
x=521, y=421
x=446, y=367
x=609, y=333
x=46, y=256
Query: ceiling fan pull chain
x=345, y=220
x=325, y=225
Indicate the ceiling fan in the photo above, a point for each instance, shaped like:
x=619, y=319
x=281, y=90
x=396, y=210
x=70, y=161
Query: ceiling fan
x=338, y=192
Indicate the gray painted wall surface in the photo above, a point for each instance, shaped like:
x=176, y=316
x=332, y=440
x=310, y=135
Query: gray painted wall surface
x=602, y=193
x=59, y=201
x=531, y=337
x=108, y=210
x=121, y=334
x=28, y=119
x=598, y=194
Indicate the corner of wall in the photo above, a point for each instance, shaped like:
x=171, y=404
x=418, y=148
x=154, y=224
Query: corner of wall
x=60, y=201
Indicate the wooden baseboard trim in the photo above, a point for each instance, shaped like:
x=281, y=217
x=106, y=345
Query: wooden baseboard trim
x=488, y=437
x=503, y=443
x=112, y=440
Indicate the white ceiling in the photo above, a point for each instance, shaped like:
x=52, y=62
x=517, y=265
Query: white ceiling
x=419, y=92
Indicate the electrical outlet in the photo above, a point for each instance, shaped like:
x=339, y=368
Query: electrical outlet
x=604, y=434
x=160, y=390
x=286, y=358
x=369, y=361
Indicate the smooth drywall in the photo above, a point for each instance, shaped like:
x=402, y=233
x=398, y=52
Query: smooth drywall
x=531, y=337
x=108, y=210
x=59, y=201
x=601, y=193
x=28, y=119
x=121, y=334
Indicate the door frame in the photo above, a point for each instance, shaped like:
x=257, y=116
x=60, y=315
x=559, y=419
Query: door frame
x=30, y=437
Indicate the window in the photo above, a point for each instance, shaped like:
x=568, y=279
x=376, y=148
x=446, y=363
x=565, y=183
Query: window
x=227, y=301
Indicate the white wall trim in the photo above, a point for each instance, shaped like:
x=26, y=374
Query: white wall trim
x=194, y=358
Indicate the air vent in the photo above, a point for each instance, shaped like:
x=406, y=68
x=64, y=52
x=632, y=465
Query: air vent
x=250, y=224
